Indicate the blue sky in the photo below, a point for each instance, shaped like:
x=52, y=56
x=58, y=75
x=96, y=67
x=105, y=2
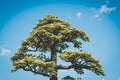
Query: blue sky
x=98, y=18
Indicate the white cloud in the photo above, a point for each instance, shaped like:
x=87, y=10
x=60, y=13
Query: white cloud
x=4, y=51
x=97, y=16
x=79, y=14
x=105, y=9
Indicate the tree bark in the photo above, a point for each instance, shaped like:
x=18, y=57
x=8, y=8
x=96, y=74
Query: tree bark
x=53, y=76
x=65, y=67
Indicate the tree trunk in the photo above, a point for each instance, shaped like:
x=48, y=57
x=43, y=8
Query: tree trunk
x=53, y=76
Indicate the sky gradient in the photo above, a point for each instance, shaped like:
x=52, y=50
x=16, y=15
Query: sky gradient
x=98, y=18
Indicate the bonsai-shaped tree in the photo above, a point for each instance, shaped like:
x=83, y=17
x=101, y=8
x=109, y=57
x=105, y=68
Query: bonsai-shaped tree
x=53, y=35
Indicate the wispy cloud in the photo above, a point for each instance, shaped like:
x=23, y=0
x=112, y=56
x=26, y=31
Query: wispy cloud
x=104, y=9
x=79, y=14
x=97, y=16
x=4, y=51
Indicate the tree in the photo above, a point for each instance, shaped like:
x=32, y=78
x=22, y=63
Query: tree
x=53, y=35
x=68, y=78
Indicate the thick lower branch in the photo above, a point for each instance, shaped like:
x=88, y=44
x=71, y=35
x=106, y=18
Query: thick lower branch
x=34, y=70
x=64, y=67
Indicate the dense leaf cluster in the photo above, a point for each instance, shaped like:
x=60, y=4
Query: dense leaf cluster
x=82, y=60
x=70, y=78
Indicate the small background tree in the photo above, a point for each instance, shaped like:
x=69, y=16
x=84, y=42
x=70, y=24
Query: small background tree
x=53, y=35
x=68, y=78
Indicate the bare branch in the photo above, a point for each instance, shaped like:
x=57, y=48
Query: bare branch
x=32, y=50
x=64, y=67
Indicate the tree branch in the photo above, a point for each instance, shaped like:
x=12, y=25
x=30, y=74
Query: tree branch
x=64, y=67
x=34, y=70
x=32, y=50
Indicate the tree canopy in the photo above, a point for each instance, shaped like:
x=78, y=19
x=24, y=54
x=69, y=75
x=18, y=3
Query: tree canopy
x=53, y=35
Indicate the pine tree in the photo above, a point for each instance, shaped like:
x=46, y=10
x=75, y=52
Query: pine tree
x=53, y=35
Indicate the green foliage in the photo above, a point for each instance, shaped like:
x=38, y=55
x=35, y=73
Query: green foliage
x=53, y=35
x=31, y=63
x=68, y=78
x=82, y=60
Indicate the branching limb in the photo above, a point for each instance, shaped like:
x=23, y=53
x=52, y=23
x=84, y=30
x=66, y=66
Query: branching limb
x=30, y=69
x=64, y=67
